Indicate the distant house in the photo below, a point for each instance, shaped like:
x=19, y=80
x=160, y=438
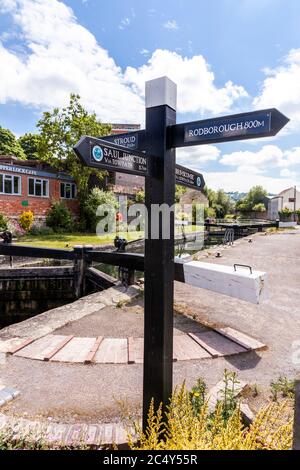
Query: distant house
x=289, y=198
x=194, y=196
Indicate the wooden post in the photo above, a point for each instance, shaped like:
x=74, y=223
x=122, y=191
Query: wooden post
x=296, y=431
x=86, y=263
x=159, y=252
x=77, y=270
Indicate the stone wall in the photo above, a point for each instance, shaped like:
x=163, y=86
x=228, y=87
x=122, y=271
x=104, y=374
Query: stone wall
x=28, y=292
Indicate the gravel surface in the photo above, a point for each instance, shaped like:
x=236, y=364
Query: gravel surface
x=122, y=322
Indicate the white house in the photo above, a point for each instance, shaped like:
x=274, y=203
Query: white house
x=289, y=198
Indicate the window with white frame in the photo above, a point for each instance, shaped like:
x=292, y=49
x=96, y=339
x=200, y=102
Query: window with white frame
x=10, y=184
x=38, y=187
x=68, y=190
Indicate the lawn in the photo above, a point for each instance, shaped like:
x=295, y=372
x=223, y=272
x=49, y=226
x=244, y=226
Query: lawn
x=69, y=240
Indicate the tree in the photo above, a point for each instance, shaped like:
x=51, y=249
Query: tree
x=9, y=144
x=30, y=145
x=257, y=195
x=60, y=130
x=179, y=192
x=96, y=198
x=219, y=201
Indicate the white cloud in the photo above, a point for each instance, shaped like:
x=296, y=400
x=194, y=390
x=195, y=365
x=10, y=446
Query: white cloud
x=124, y=23
x=196, y=157
x=197, y=91
x=243, y=179
x=269, y=156
x=281, y=89
x=60, y=56
x=286, y=173
x=144, y=52
x=170, y=24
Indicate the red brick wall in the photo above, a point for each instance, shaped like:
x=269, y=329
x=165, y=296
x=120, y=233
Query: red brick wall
x=11, y=205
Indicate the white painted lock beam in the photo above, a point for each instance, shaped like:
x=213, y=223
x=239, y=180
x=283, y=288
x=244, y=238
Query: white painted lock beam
x=239, y=283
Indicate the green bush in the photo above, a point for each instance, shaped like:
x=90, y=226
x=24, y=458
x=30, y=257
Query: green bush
x=96, y=198
x=3, y=222
x=188, y=424
x=209, y=212
x=41, y=230
x=59, y=217
x=260, y=207
x=285, y=214
x=139, y=196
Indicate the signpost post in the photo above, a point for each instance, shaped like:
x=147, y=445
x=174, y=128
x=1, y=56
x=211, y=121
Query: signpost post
x=161, y=97
x=151, y=153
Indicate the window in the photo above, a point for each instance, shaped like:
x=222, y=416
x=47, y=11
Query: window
x=38, y=187
x=10, y=184
x=68, y=190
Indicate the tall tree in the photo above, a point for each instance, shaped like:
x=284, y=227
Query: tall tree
x=60, y=130
x=9, y=145
x=219, y=201
x=30, y=145
x=257, y=195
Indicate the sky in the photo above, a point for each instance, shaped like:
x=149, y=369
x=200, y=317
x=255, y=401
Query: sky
x=226, y=56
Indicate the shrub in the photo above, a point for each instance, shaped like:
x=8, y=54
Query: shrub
x=140, y=196
x=189, y=427
x=285, y=214
x=282, y=387
x=59, y=217
x=209, y=212
x=3, y=222
x=26, y=220
x=260, y=207
x=96, y=198
x=42, y=230
x=16, y=229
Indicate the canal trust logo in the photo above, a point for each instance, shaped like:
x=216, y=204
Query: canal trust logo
x=198, y=181
x=97, y=153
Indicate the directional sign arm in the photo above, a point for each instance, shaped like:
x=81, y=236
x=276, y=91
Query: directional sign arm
x=134, y=140
x=104, y=155
x=253, y=125
x=186, y=177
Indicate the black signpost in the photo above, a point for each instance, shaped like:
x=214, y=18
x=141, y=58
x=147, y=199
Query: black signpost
x=151, y=153
x=98, y=153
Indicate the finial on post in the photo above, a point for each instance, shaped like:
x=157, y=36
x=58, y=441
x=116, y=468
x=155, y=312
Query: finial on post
x=161, y=91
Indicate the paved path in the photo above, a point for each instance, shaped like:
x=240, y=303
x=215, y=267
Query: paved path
x=71, y=393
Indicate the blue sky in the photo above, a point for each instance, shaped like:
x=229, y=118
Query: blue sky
x=226, y=56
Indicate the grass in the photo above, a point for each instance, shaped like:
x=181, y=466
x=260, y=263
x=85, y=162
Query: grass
x=69, y=240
